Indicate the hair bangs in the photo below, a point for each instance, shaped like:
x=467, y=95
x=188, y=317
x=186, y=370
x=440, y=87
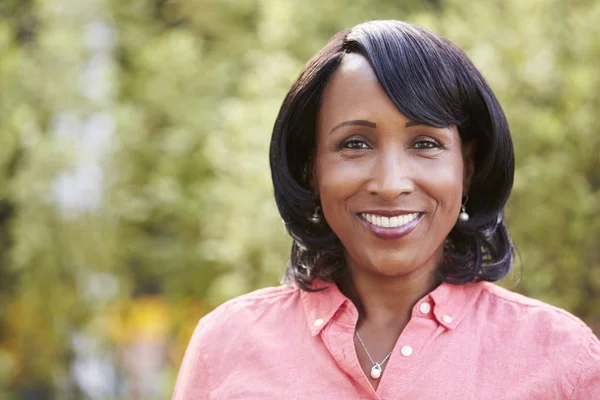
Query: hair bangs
x=417, y=71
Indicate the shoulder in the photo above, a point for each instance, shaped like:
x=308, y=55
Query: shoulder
x=505, y=303
x=261, y=305
x=555, y=338
x=256, y=300
x=229, y=335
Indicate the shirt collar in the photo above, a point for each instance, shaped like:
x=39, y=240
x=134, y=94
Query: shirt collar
x=449, y=304
x=321, y=306
x=452, y=302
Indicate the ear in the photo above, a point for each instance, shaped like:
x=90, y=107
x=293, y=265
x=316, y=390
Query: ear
x=468, y=153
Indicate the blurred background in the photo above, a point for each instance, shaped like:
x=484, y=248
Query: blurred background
x=135, y=193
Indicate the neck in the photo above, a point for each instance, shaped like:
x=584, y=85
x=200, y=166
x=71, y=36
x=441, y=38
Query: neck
x=386, y=301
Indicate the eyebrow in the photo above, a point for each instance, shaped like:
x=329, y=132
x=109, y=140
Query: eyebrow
x=413, y=123
x=362, y=122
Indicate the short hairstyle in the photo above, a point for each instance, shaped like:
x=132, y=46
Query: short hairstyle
x=430, y=81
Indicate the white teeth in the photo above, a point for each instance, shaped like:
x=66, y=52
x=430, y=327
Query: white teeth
x=386, y=222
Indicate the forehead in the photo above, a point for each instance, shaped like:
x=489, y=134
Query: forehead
x=353, y=92
x=355, y=66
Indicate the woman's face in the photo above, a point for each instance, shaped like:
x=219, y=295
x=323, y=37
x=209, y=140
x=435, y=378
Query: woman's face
x=389, y=187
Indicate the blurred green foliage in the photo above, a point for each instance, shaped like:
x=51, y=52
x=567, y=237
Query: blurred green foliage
x=187, y=92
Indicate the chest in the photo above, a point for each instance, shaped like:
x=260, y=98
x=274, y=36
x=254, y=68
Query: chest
x=427, y=362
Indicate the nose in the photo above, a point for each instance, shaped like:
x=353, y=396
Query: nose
x=391, y=176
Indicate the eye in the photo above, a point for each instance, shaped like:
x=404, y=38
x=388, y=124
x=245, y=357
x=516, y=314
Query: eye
x=355, y=144
x=426, y=144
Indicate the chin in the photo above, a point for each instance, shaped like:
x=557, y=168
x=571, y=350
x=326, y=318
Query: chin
x=395, y=264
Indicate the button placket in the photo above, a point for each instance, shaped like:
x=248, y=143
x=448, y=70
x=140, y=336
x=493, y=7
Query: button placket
x=407, y=356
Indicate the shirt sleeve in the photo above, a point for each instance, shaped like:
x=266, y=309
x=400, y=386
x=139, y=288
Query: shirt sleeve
x=588, y=385
x=192, y=379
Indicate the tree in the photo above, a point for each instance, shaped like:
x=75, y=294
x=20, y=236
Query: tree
x=169, y=106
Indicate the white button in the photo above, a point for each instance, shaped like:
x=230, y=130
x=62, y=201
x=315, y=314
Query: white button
x=447, y=319
x=425, y=308
x=406, y=351
x=318, y=322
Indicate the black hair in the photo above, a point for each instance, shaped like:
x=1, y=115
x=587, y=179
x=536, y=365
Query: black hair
x=431, y=81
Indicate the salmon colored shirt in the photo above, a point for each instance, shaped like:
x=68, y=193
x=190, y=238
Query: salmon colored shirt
x=473, y=341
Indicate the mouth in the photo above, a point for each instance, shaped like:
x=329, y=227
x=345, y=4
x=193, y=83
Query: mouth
x=390, y=226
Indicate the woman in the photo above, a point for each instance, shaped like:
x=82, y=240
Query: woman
x=392, y=162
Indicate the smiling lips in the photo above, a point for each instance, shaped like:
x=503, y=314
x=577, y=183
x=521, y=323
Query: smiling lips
x=390, y=227
x=389, y=222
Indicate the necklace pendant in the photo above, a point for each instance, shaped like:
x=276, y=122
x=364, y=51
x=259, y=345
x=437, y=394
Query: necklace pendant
x=376, y=371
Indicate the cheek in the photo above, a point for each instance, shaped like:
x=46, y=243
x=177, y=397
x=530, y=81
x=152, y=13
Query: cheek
x=337, y=181
x=337, y=178
x=446, y=187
